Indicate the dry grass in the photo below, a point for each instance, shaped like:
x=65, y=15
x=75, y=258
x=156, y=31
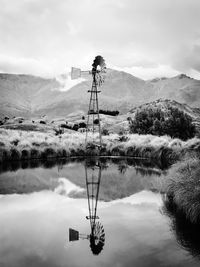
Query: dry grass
x=16, y=144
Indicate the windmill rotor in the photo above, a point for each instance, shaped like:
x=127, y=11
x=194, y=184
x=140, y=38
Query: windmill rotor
x=97, y=238
x=99, y=64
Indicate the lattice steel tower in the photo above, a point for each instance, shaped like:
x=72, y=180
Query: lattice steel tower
x=93, y=119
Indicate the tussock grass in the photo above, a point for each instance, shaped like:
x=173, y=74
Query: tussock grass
x=16, y=145
x=183, y=187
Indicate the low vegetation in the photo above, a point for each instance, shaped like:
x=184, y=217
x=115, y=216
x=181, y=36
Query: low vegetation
x=17, y=145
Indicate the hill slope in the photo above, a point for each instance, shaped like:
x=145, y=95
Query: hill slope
x=30, y=96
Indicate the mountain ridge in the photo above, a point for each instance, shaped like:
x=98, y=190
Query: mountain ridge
x=34, y=96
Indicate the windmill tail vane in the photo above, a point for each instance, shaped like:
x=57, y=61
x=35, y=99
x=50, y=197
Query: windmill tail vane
x=93, y=118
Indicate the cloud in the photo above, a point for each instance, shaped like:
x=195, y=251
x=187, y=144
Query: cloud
x=24, y=65
x=148, y=73
x=129, y=34
x=67, y=83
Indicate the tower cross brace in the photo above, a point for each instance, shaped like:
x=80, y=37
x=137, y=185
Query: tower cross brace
x=93, y=117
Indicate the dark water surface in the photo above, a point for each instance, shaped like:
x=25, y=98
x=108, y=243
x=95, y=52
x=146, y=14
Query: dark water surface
x=132, y=226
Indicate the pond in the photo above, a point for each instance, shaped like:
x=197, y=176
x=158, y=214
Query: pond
x=92, y=212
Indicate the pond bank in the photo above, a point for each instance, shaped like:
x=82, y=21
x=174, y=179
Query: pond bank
x=21, y=145
x=183, y=188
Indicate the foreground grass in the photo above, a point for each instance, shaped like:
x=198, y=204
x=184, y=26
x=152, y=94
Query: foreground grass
x=183, y=188
x=17, y=145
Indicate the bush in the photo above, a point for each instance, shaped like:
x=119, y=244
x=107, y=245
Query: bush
x=82, y=125
x=105, y=132
x=65, y=126
x=96, y=121
x=75, y=127
x=15, y=142
x=174, y=123
x=123, y=138
x=109, y=112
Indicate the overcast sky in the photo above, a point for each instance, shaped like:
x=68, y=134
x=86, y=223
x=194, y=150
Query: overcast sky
x=147, y=38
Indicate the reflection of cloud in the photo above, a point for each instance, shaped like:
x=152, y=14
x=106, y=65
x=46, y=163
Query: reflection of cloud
x=143, y=197
x=34, y=230
x=66, y=187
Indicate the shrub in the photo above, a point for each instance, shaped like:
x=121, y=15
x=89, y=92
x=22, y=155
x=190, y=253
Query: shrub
x=15, y=142
x=96, y=121
x=65, y=126
x=82, y=125
x=75, y=127
x=109, y=112
x=123, y=138
x=105, y=132
x=174, y=123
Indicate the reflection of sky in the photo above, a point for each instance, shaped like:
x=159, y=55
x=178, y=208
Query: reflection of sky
x=34, y=232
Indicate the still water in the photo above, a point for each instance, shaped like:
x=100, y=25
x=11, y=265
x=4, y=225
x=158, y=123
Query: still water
x=91, y=213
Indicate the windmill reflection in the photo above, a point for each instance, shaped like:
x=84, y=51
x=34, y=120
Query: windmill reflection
x=97, y=234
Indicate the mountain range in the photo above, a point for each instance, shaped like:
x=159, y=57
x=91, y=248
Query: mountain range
x=31, y=96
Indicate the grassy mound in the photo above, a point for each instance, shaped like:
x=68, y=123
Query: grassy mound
x=183, y=188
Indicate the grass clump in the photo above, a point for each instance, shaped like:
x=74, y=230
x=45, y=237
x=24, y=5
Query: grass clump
x=183, y=187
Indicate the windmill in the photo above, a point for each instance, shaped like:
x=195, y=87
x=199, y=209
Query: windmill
x=97, y=234
x=98, y=76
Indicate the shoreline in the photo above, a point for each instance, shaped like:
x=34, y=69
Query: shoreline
x=183, y=188
x=22, y=148
x=18, y=145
